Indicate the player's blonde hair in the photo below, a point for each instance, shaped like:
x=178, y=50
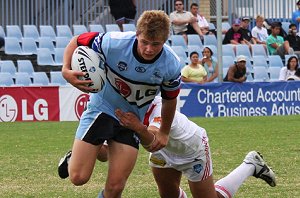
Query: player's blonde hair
x=154, y=24
x=260, y=17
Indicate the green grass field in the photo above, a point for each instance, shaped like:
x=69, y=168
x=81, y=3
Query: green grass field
x=29, y=154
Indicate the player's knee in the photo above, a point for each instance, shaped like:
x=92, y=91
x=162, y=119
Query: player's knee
x=78, y=179
x=116, y=187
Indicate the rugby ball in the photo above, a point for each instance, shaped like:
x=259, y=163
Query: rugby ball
x=87, y=60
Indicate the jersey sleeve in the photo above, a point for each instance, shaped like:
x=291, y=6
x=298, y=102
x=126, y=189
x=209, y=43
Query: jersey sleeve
x=87, y=39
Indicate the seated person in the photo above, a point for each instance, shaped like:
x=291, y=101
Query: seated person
x=290, y=69
x=210, y=64
x=234, y=35
x=201, y=21
x=259, y=32
x=296, y=76
x=194, y=72
x=276, y=44
x=180, y=20
x=237, y=72
x=293, y=39
x=246, y=32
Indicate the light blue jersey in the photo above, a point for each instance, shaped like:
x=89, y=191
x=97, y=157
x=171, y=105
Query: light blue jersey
x=132, y=83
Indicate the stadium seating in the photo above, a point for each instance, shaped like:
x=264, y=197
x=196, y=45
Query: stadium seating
x=243, y=50
x=225, y=26
x=6, y=79
x=2, y=32
x=275, y=61
x=14, y=31
x=23, y=79
x=258, y=50
x=61, y=42
x=8, y=66
x=64, y=31
x=260, y=74
x=227, y=61
x=44, y=57
x=58, y=55
x=46, y=42
x=96, y=28
x=79, y=29
x=210, y=40
x=129, y=27
x=285, y=26
x=228, y=50
x=112, y=28
x=194, y=48
x=31, y=31
x=211, y=26
x=274, y=73
x=25, y=66
x=12, y=47
x=47, y=31
x=180, y=51
x=56, y=78
x=29, y=46
x=40, y=79
x=225, y=70
x=260, y=61
x=178, y=40
x=194, y=39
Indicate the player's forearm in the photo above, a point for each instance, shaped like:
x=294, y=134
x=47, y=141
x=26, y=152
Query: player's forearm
x=68, y=54
x=167, y=115
x=146, y=134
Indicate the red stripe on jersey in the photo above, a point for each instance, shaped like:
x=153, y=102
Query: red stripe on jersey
x=169, y=95
x=86, y=39
x=147, y=115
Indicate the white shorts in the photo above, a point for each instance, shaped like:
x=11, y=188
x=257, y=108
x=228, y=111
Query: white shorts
x=197, y=169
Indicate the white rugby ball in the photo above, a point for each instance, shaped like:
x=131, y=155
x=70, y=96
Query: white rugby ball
x=87, y=60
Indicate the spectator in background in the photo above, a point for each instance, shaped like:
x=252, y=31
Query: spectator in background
x=237, y=72
x=194, y=72
x=294, y=39
x=201, y=21
x=296, y=16
x=123, y=11
x=296, y=76
x=210, y=64
x=276, y=44
x=180, y=20
x=234, y=35
x=259, y=32
x=290, y=69
x=246, y=32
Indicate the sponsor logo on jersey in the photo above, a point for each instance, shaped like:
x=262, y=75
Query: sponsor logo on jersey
x=122, y=66
x=197, y=168
x=123, y=88
x=140, y=69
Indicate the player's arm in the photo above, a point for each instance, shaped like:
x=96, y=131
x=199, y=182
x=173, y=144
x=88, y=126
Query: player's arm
x=70, y=75
x=131, y=121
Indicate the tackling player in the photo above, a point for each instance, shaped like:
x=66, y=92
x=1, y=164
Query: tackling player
x=138, y=66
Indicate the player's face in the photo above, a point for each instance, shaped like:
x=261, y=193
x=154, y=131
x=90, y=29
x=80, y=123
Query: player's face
x=148, y=48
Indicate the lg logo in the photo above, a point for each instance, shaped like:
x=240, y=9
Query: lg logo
x=8, y=109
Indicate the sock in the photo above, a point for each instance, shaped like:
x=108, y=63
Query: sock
x=182, y=194
x=101, y=194
x=228, y=185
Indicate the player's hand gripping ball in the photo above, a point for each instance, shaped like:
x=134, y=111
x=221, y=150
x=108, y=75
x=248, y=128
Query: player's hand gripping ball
x=87, y=60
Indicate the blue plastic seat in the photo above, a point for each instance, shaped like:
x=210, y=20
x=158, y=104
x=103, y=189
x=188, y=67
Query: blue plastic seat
x=46, y=42
x=178, y=40
x=23, y=79
x=112, y=28
x=285, y=26
x=8, y=66
x=274, y=73
x=260, y=61
x=228, y=50
x=6, y=79
x=225, y=26
x=12, y=46
x=25, y=66
x=56, y=78
x=128, y=27
x=180, y=52
x=14, y=31
x=194, y=39
x=258, y=50
x=96, y=28
x=64, y=31
x=260, y=74
x=210, y=40
x=211, y=26
x=44, y=57
x=31, y=31
x=243, y=50
x=47, y=31
x=2, y=32
x=227, y=61
x=29, y=46
x=40, y=79
x=194, y=48
x=62, y=42
x=275, y=61
x=79, y=29
x=58, y=56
